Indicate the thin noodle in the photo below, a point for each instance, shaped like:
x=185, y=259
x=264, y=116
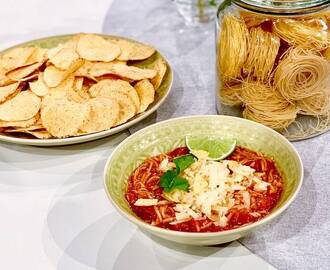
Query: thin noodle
x=150, y=179
x=302, y=74
x=233, y=45
x=159, y=216
x=168, y=220
x=263, y=49
x=316, y=105
x=306, y=33
x=322, y=123
x=230, y=94
x=263, y=104
x=162, y=211
x=326, y=54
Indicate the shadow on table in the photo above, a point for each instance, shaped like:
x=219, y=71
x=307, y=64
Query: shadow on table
x=80, y=230
x=38, y=153
x=60, y=161
x=289, y=225
x=157, y=253
x=113, y=243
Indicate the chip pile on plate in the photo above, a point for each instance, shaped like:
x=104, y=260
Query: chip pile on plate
x=85, y=85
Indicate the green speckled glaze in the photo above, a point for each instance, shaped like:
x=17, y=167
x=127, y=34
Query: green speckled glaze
x=165, y=136
x=161, y=94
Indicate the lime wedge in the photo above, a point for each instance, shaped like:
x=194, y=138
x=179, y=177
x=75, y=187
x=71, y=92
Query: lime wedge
x=217, y=148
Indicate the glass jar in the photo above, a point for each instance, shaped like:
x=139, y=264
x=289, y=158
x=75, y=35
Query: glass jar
x=273, y=64
x=197, y=11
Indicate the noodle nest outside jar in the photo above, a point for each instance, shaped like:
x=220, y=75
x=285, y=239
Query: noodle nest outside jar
x=273, y=64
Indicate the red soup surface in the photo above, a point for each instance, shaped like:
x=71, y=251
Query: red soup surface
x=144, y=184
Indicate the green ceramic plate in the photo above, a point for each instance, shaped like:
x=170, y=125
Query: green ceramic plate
x=162, y=93
x=167, y=135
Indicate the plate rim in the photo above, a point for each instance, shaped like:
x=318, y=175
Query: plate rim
x=96, y=135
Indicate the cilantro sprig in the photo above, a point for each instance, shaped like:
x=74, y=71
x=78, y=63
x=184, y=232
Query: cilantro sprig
x=171, y=179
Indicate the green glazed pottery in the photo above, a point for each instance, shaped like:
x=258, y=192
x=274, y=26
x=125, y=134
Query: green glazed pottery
x=165, y=136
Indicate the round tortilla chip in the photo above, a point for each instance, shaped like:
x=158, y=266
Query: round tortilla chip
x=131, y=72
x=58, y=93
x=53, y=51
x=53, y=76
x=16, y=57
x=64, y=86
x=21, y=124
x=33, y=127
x=83, y=71
x=78, y=86
x=106, y=87
x=160, y=66
x=97, y=67
x=7, y=91
x=23, y=106
x=40, y=134
x=121, y=70
x=84, y=94
x=72, y=43
x=22, y=72
x=39, y=87
x=133, y=50
x=51, y=97
x=146, y=94
x=63, y=118
x=103, y=115
x=73, y=95
x=126, y=107
x=64, y=58
x=4, y=80
x=78, y=83
x=96, y=48
x=38, y=56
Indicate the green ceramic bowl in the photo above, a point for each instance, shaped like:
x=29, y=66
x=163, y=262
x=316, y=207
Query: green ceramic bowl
x=167, y=135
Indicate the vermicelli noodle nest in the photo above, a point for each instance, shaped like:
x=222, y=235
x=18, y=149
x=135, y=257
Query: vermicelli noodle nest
x=279, y=124
x=302, y=74
x=309, y=34
x=233, y=46
x=263, y=49
x=326, y=54
x=265, y=105
x=230, y=94
x=315, y=105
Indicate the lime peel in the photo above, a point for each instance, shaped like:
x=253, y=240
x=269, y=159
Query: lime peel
x=217, y=148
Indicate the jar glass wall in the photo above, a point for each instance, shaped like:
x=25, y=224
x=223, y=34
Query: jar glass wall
x=273, y=64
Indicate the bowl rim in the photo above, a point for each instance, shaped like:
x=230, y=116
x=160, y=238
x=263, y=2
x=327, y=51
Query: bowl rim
x=242, y=229
x=99, y=134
